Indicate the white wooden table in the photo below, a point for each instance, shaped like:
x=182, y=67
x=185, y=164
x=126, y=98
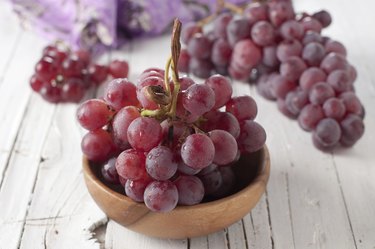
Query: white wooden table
x=313, y=199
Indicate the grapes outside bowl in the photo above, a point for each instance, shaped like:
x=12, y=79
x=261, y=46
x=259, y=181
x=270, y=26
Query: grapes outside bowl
x=252, y=172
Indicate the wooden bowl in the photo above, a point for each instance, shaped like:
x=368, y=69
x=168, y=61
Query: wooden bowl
x=252, y=172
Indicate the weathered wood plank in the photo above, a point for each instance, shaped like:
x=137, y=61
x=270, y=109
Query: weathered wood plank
x=61, y=204
x=10, y=33
x=118, y=237
x=14, y=94
x=19, y=179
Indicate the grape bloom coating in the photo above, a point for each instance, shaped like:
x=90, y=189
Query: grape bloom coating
x=176, y=152
x=292, y=63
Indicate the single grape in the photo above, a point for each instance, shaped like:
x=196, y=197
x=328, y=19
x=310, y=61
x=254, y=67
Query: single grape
x=94, y=114
x=296, y=100
x=269, y=56
x=185, y=82
x=154, y=80
x=120, y=125
x=160, y=163
x=98, y=73
x=200, y=68
x=280, y=86
x=109, y=172
x=255, y=12
x=237, y=30
x=292, y=68
x=46, y=69
x=97, y=145
x=83, y=55
x=310, y=77
x=313, y=53
x=320, y=92
x=243, y=107
x=291, y=30
x=199, y=99
x=334, y=108
x=352, y=103
x=199, y=46
x=229, y=180
x=312, y=36
x=352, y=130
x=220, y=25
x=120, y=93
x=35, y=83
x=328, y=132
x=334, y=61
x=246, y=54
x=161, y=196
x=72, y=67
x=222, y=121
x=51, y=93
x=197, y=151
x=118, y=69
x=153, y=72
x=144, y=133
x=211, y=181
x=189, y=30
x=263, y=33
x=288, y=48
x=280, y=12
x=222, y=88
x=310, y=116
x=73, y=90
x=335, y=47
x=130, y=164
x=323, y=17
x=252, y=137
x=145, y=101
x=309, y=23
x=283, y=108
x=135, y=189
x=221, y=52
x=225, y=147
x=184, y=114
x=264, y=86
x=352, y=73
x=339, y=80
x=183, y=61
x=190, y=190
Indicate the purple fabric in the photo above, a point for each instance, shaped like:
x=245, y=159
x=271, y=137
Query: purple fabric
x=100, y=24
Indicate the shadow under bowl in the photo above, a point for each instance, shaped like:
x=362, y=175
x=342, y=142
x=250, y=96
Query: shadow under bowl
x=252, y=172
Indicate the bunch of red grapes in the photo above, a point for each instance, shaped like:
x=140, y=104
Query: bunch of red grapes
x=306, y=73
x=65, y=76
x=170, y=141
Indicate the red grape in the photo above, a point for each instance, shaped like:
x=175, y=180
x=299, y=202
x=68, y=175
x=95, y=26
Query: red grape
x=197, y=151
x=252, y=137
x=118, y=69
x=190, y=190
x=94, y=114
x=130, y=164
x=160, y=163
x=97, y=145
x=161, y=196
x=144, y=133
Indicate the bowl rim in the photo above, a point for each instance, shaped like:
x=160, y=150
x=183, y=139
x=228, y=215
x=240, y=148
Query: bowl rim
x=263, y=172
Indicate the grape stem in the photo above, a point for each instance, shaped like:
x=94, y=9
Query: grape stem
x=220, y=6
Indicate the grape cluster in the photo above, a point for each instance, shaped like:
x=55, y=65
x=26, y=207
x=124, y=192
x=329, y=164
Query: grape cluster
x=306, y=73
x=64, y=76
x=170, y=141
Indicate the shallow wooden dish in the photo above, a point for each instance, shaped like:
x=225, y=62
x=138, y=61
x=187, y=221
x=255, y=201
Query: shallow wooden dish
x=252, y=172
